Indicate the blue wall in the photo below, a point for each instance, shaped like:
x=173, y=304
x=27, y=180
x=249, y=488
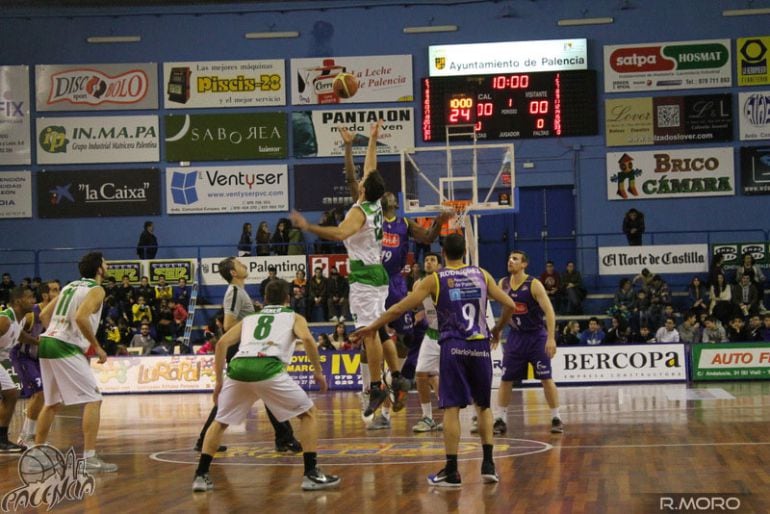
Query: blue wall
x=366, y=28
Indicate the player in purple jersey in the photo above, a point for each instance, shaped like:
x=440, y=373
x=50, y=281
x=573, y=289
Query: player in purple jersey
x=531, y=340
x=460, y=295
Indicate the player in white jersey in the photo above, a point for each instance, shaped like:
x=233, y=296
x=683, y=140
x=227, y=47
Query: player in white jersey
x=361, y=231
x=11, y=332
x=72, y=321
x=258, y=371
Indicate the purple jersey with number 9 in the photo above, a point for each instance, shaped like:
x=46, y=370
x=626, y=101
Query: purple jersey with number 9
x=461, y=303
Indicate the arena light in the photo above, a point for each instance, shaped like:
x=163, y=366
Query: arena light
x=113, y=39
x=427, y=29
x=746, y=12
x=574, y=22
x=287, y=34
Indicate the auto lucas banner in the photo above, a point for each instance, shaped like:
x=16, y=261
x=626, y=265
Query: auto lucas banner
x=733, y=361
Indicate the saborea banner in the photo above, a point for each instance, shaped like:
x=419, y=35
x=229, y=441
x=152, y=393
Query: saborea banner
x=670, y=174
x=629, y=260
x=671, y=65
x=733, y=361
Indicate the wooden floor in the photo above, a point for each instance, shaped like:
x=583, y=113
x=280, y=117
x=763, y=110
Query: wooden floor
x=624, y=448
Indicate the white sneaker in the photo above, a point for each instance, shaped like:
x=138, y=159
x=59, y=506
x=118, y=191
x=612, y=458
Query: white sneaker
x=425, y=425
x=202, y=483
x=96, y=465
x=379, y=423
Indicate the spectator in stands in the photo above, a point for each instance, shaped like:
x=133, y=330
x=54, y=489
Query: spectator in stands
x=6, y=285
x=765, y=327
x=317, y=296
x=689, y=329
x=140, y=310
x=644, y=278
x=633, y=227
x=721, y=305
x=713, y=332
x=643, y=335
x=299, y=293
x=147, y=247
x=180, y=318
x=207, y=348
x=164, y=322
x=111, y=337
x=145, y=289
x=624, y=300
x=143, y=339
x=182, y=293
x=125, y=295
x=572, y=290
x=245, y=248
x=754, y=330
x=262, y=239
x=324, y=344
x=552, y=284
x=110, y=287
x=163, y=290
x=715, y=268
x=570, y=336
x=337, y=290
x=414, y=274
x=697, y=296
x=660, y=296
x=280, y=240
x=35, y=286
x=736, y=330
x=750, y=268
x=271, y=276
x=594, y=335
x=296, y=241
x=322, y=245
x=745, y=296
x=340, y=336
x=668, y=332
x=640, y=311
x=618, y=332
x=125, y=332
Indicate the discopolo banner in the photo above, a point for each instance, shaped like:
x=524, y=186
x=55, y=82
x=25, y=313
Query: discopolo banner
x=628, y=260
x=670, y=174
x=15, y=144
x=223, y=189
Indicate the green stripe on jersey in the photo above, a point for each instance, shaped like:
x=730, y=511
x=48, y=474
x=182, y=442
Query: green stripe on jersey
x=52, y=348
x=368, y=274
x=254, y=369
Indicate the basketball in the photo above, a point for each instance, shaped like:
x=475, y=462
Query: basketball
x=345, y=85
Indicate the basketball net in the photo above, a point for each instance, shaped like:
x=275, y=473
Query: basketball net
x=463, y=223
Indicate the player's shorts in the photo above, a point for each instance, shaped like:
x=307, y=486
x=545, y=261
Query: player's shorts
x=466, y=373
x=397, y=291
x=67, y=378
x=367, y=303
x=28, y=370
x=524, y=348
x=429, y=357
x=281, y=394
x=6, y=382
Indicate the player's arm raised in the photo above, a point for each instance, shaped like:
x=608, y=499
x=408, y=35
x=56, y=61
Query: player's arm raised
x=497, y=294
x=350, y=166
x=302, y=331
x=370, y=162
x=92, y=303
x=353, y=221
x=428, y=235
x=232, y=336
x=541, y=297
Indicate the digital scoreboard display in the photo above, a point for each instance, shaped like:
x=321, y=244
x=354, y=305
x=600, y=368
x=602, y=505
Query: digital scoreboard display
x=512, y=105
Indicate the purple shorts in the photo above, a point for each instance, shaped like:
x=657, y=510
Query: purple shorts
x=28, y=370
x=466, y=373
x=396, y=292
x=524, y=348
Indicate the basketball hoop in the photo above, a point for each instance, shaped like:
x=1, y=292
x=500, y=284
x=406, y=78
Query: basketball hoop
x=462, y=224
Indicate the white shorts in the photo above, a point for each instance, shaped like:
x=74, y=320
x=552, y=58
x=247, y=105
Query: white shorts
x=69, y=380
x=281, y=395
x=367, y=303
x=6, y=382
x=429, y=356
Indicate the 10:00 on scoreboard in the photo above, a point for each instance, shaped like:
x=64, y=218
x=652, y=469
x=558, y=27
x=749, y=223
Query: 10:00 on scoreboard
x=519, y=105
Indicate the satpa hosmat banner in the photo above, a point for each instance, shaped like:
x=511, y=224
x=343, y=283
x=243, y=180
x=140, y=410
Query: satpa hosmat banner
x=14, y=115
x=671, y=65
x=670, y=174
x=225, y=189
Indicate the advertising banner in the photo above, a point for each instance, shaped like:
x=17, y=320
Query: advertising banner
x=221, y=189
x=341, y=261
x=755, y=170
x=286, y=268
x=96, y=193
x=628, y=260
x=732, y=253
x=223, y=84
x=102, y=139
x=381, y=78
x=733, y=361
x=93, y=87
x=670, y=174
x=507, y=57
x=171, y=269
x=751, y=57
x=226, y=137
x=15, y=144
x=329, y=187
x=670, y=65
x=316, y=133
x=754, y=115
x=134, y=270
x=15, y=194
x=666, y=120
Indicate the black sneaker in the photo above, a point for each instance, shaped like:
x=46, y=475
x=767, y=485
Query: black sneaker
x=499, y=428
x=293, y=446
x=557, y=427
x=488, y=473
x=315, y=479
x=199, y=447
x=399, y=392
x=376, y=397
x=9, y=447
x=444, y=479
